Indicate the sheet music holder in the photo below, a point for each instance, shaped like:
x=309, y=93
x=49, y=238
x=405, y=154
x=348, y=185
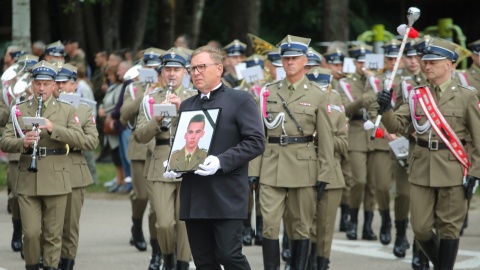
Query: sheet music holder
x=164, y=110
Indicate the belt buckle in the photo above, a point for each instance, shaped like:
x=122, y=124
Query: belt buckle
x=283, y=139
x=433, y=145
x=42, y=151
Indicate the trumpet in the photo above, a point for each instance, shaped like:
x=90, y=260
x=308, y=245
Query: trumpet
x=167, y=121
x=33, y=163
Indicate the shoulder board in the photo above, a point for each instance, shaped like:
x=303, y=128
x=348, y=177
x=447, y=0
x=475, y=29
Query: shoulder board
x=191, y=90
x=21, y=102
x=203, y=149
x=176, y=151
x=156, y=90
x=471, y=88
x=317, y=86
x=65, y=102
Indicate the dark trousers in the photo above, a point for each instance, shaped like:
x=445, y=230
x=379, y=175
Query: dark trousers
x=216, y=241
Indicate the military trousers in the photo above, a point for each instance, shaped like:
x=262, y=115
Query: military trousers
x=324, y=226
x=139, y=194
x=42, y=216
x=298, y=204
x=363, y=188
x=440, y=208
x=402, y=190
x=347, y=175
x=12, y=176
x=380, y=170
x=71, y=226
x=171, y=232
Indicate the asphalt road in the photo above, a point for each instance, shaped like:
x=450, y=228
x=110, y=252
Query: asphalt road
x=105, y=232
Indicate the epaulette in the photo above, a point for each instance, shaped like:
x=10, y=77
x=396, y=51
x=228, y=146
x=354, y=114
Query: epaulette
x=278, y=83
x=335, y=91
x=468, y=87
x=156, y=90
x=21, y=102
x=317, y=86
x=63, y=101
x=203, y=149
x=176, y=151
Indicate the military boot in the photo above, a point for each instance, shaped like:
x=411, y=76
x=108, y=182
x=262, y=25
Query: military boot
x=49, y=268
x=401, y=243
x=386, y=227
x=312, y=260
x=168, y=261
x=181, y=265
x=271, y=254
x=299, y=253
x=32, y=267
x=137, y=239
x=343, y=217
x=431, y=249
x=322, y=263
x=259, y=235
x=156, y=259
x=17, y=243
x=352, y=224
x=66, y=264
x=286, y=253
x=368, y=233
x=448, y=253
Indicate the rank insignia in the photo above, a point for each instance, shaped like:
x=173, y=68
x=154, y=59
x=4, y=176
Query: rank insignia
x=304, y=104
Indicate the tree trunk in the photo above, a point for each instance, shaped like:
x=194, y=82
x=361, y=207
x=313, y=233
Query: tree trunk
x=335, y=20
x=92, y=37
x=180, y=11
x=137, y=25
x=40, y=21
x=243, y=13
x=21, y=23
x=197, y=21
x=111, y=24
x=165, y=25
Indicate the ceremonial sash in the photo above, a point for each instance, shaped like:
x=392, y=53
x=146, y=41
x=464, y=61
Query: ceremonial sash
x=463, y=79
x=444, y=131
x=374, y=83
x=132, y=90
x=406, y=88
x=346, y=89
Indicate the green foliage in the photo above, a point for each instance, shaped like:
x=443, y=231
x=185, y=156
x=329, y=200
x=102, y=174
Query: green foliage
x=3, y=175
x=105, y=173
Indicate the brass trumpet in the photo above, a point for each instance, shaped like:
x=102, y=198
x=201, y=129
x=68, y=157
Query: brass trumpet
x=33, y=163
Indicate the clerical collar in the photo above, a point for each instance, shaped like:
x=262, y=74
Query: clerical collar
x=214, y=89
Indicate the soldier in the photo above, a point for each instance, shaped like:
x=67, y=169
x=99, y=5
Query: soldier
x=190, y=156
x=10, y=55
x=235, y=54
x=439, y=161
x=334, y=61
x=323, y=226
x=290, y=129
x=473, y=72
x=357, y=101
x=314, y=59
x=80, y=176
x=164, y=193
x=54, y=52
x=137, y=154
x=43, y=195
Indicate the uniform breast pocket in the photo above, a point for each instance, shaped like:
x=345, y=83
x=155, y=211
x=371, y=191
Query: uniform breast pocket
x=454, y=117
x=273, y=109
x=308, y=114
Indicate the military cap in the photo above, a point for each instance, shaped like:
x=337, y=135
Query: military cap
x=392, y=48
x=420, y=46
x=293, y=46
x=438, y=49
x=274, y=57
x=474, y=47
x=322, y=76
x=359, y=52
x=15, y=54
x=411, y=48
x=314, y=57
x=235, y=48
x=66, y=72
x=335, y=57
x=255, y=60
x=44, y=70
x=55, y=49
x=28, y=59
x=151, y=57
x=174, y=58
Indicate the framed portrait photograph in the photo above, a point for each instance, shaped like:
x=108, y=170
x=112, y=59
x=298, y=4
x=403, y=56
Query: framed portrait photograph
x=193, y=139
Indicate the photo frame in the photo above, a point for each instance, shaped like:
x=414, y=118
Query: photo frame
x=193, y=138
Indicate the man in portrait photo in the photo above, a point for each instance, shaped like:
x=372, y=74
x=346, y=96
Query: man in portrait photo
x=190, y=156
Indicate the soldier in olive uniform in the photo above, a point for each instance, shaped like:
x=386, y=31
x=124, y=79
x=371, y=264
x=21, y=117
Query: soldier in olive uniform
x=43, y=194
x=80, y=175
x=137, y=153
x=290, y=164
x=473, y=72
x=164, y=193
x=235, y=54
x=55, y=52
x=323, y=227
x=334, y=61
x=357, y=101
x=440, y=173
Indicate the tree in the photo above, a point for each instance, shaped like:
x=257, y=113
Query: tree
x=335, y=20
x=198, y=9
x=21, y=23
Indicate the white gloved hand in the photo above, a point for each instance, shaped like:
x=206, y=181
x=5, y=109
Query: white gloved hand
x=209, y=166
x=172, y=174
x=476, y=186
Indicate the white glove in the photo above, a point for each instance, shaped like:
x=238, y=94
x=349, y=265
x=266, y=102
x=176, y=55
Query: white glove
x=172, y=174
x=476, y=186
x=209, y=166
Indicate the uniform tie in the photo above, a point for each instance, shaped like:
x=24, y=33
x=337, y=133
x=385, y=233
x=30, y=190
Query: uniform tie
x=438, y=92
x=187, y=159
x=290, y=90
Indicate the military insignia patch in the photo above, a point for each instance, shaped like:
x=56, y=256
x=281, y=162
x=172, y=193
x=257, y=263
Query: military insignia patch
x=76, y=119
x=304, y=104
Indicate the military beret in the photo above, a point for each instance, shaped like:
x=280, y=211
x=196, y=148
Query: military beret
x=322, y=76
x=359, y=52
x=44, y=70
x=274, y=57
x=255, y=60
x=293, y=46
x=314, y=57
x=438, y=49
x=391, y=48
x=55, y=49
x=235, y=48
x=174, y=58
x=66, y=72
x=474, y=47
x=151, y=57
x=335, y=57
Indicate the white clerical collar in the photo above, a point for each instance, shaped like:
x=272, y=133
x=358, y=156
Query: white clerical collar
x=208, y=95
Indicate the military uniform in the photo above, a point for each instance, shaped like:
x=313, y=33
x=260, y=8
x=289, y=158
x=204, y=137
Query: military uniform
x=290, y=163
x=473, y=72
x=178, y=160
x=43, y=195
x=164, y=193
x=437, y=195
x=233, y=49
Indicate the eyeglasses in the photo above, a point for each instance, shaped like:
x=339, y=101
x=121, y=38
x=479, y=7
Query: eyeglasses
x=200, y=68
